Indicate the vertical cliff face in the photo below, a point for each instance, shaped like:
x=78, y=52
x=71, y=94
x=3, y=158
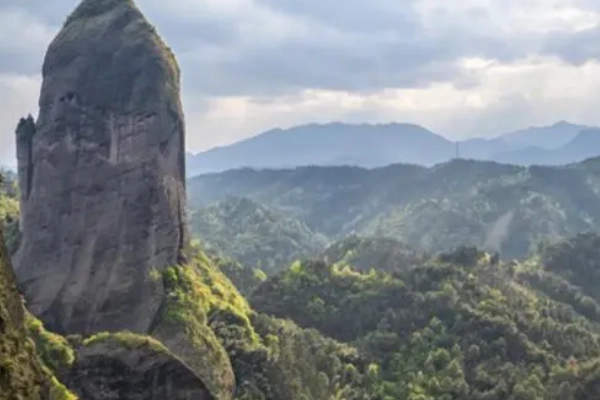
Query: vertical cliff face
x=102, y=174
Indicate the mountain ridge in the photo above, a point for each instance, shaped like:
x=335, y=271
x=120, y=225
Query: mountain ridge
x=547, y=137
x=376, y=145
x=318, y=144
x=499, y=207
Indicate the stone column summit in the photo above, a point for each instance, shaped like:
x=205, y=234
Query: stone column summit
x=102, y=174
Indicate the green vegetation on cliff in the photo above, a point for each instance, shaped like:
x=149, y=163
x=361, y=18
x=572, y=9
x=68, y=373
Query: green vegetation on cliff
x=192, y=293
x=54, y=350
x=242, y=354
x=23, y=376
x=128, y=340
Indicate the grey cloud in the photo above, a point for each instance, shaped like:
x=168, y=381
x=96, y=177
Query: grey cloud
x=577, y=48
x=52, y=12
x=509, y=112
x=353, y=15
x=23, y=39
x=350, y=61
x=12, y=61
x=263, y=71
x=591, y=5
x=353, y=45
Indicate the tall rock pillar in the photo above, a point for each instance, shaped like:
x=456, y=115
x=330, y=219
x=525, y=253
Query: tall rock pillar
x=102, y=174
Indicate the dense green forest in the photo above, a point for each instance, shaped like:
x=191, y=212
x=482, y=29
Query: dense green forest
x=462, y=325
x=504, y=208
x=367, y=253
x=253, y=234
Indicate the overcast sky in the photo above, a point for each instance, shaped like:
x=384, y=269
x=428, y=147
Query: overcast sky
x=459, y=67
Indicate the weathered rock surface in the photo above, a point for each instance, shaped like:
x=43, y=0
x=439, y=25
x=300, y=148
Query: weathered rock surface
x=101, y=173
x=125, y=367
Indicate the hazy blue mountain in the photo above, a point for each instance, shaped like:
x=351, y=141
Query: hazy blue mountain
x=584, y=145
x=371, y=146
x=544, y=137
x=484, y=149
x=330, y=144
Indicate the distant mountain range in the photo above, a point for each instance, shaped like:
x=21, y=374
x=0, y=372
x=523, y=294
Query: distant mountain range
x=372, y=146
x=497, y=207
x=545, y=137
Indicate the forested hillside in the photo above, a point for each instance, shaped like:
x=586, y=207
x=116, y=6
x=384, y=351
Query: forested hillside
x=462, y=325
x=496, y=207
x=368, y=253
x=254, y=235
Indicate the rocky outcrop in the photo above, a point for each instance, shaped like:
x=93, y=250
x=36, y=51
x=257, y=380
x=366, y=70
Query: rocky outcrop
x=101, y=173
x=102, y=201
x=129, y=367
